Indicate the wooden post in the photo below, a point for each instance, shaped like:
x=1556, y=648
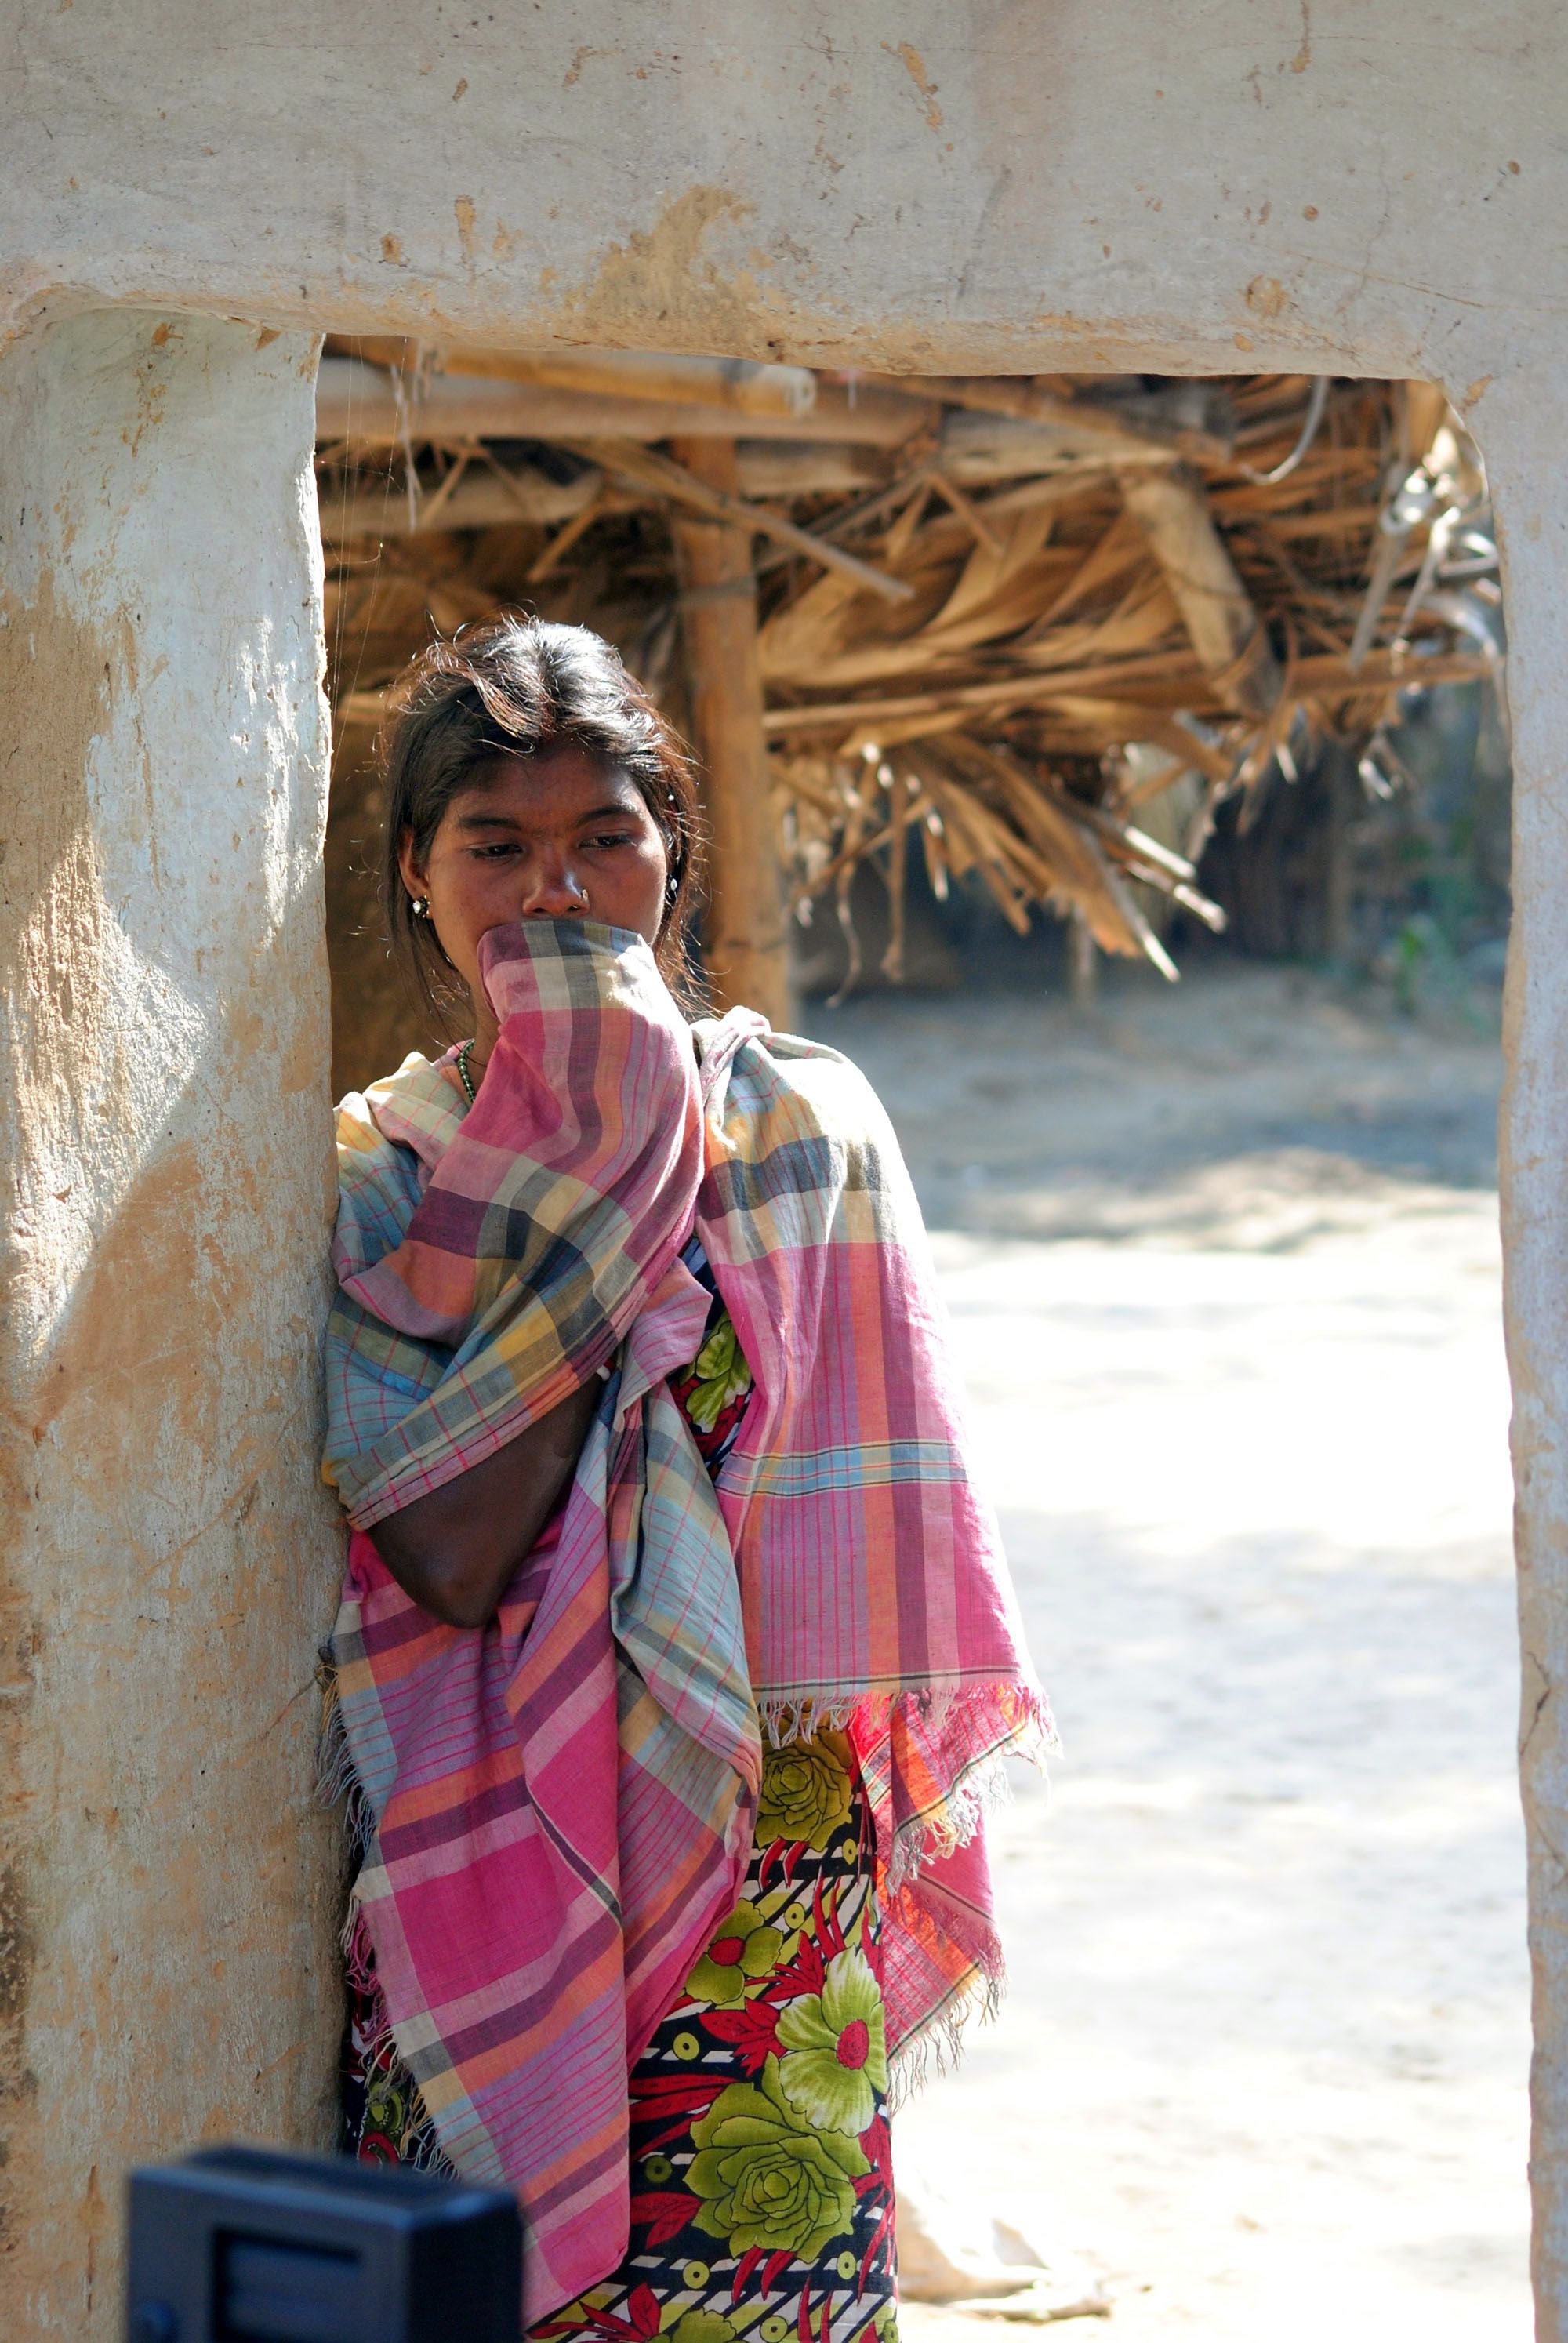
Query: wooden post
x=1171, y=508
x=1344, y=789
x=747, y=955
x=1082, y=966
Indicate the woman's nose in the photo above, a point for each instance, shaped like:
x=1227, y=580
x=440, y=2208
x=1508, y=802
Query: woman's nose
x=556, y=892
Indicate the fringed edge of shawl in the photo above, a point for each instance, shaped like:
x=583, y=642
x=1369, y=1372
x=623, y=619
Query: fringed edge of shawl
x=977, y=1792
x=787, y=1717
x=937, y=2044
x=424, y=2153
x=1001, y=1721
x=359, y=1976
x=1004, y=1720
x=337, y=1782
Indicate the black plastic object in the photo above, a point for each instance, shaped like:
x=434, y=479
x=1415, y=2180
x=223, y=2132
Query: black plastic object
x=252, y=2245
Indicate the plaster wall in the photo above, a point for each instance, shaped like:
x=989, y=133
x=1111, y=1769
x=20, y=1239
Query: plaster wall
x=1363, y=186
x=992, y=183
x=167, y=1891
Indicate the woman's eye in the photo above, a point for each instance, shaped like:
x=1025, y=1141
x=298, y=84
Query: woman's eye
x=489, y=853
x=610, y=838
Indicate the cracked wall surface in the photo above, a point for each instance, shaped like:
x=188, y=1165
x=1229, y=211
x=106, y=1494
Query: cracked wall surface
x=1325, y=184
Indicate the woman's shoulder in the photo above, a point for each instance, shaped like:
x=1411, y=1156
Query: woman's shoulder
x=805, y=1082
x=416, y=1108
x=389, y=1137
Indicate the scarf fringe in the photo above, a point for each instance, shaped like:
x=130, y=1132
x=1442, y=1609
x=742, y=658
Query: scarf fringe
x=936, y=2046
x=787, y=1717
x=336, y=1781
x=359, y=1978
x=1003, y=1721
x=929, y=1838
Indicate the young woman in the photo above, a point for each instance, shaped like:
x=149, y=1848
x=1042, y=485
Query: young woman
x=677, y=1655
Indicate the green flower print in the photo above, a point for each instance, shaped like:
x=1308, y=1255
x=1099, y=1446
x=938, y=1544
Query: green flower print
x=701, y=2326
x=835, y=2058
x=745, y=1947
x=722, y=1374
x=766, y=2176
x=806, y=1791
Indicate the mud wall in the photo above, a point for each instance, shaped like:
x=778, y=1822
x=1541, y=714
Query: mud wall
x=993, y=185
x=168, y=1889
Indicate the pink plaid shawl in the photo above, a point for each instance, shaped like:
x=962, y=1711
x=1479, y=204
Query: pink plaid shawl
x=562, y=1802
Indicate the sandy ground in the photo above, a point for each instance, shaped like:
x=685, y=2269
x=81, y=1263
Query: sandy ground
x=1222, y=1265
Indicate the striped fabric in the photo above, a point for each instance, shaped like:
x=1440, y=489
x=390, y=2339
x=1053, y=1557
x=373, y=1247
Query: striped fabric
x=562, y=1802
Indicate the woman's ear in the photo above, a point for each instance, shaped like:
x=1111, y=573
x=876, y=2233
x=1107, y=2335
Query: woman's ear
x=412, y=875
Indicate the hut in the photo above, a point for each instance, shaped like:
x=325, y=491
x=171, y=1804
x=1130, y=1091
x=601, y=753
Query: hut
x=1029, y=632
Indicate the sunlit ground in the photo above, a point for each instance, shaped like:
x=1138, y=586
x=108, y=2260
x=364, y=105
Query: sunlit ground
x=1241, y=1402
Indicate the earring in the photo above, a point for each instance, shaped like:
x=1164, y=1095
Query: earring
x=671, y=887
x=420, y=905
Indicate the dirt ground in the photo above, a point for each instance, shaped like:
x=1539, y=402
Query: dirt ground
x=1223, y=1269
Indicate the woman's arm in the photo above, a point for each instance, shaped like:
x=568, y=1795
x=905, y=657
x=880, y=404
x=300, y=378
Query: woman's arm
x=455, y=1551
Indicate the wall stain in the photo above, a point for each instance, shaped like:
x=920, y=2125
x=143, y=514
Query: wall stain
x=914, y=65
x=579, y=58
x=1303, y=56
x=661, y=277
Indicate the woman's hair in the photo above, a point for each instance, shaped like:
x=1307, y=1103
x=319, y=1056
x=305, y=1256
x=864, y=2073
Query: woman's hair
x=517, y=687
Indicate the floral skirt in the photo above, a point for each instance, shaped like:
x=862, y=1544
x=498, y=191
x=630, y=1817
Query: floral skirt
x=762, y=2171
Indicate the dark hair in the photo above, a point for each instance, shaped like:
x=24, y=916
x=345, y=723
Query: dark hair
x=521, y=687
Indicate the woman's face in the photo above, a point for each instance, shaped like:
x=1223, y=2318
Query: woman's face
x=554, y=837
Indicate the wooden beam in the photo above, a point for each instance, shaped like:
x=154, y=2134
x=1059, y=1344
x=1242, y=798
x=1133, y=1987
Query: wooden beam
x=739, y=386
x=736, y=385
x=667, y=476
x=483, y=499
x=366, y=404
x=747, y=951
x=1160, y=423
x=1139, y=684
x=1232, y=644
x=491, y=496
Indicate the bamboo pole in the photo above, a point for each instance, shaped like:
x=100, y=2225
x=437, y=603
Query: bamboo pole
x=666, y=477
x=747, y=953
x=743, y=385
x=1171, y=508
x=737, y=385
x=1153, y=684
x=357, y=401
x=1156, y=424
x=489, y=496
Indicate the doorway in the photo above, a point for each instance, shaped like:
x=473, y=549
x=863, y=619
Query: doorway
x=1221, y=1257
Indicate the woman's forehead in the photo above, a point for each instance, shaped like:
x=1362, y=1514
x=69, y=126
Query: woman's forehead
x=552, y=786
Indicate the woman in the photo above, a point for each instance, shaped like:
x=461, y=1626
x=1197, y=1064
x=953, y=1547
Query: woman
x=676, y=1655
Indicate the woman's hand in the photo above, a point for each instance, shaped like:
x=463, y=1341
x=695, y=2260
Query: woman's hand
x=455, y=1551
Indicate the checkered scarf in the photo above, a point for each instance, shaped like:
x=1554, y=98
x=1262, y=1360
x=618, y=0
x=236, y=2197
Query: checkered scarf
x=562, y=1802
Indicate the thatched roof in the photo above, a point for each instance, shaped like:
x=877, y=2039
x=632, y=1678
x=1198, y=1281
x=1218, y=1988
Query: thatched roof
x=1032, y=629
